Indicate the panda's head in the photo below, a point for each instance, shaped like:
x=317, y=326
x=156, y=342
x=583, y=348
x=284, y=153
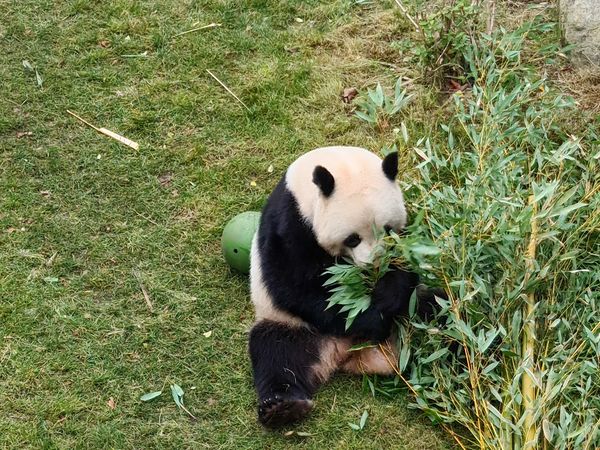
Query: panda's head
x=345, y=193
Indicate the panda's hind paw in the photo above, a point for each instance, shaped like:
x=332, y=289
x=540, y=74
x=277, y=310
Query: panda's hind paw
x=277, y=411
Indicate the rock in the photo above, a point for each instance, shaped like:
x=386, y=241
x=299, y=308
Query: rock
x=581, y=23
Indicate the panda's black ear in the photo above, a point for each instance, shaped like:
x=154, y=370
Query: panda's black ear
x=390, y=165
x=323, y=178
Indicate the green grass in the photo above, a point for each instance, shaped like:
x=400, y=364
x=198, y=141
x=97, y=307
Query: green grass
x=80, y=212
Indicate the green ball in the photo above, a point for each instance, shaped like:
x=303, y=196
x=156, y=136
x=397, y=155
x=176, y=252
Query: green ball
x=236, y=241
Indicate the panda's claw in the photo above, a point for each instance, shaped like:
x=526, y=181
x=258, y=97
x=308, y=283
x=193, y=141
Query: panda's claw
x=277, y=411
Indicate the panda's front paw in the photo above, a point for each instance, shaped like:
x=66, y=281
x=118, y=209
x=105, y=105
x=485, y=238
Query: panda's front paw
x=279, y=410
x=392, y=292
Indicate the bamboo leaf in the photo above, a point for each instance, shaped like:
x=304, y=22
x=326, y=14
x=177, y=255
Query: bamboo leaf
x=404, y=358
x=548, y=429
x=150, y=395
x=177, y=394
x=404, y=132
x=435, y=355
x=365, y=117
x=363, y=419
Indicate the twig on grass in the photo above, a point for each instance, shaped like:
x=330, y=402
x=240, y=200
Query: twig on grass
x=210, y=25
x=188, y=412
x=136, y=274
x=227, y=89
x=146, y=218
x=109, y=133
x=408, y=16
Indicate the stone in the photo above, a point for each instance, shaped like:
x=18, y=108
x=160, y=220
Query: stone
x=581, y=25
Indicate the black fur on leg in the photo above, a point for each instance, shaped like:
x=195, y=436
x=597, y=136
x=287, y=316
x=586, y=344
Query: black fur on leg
x=283, y=358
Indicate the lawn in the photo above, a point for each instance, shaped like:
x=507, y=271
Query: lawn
x=85, y=222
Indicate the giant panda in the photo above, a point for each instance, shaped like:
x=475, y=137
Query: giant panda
x=325, y=207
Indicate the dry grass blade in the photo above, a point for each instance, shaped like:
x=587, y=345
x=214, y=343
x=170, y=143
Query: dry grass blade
x=188, y=412
x=193, y=30
x=227, y=89
x=137, y=276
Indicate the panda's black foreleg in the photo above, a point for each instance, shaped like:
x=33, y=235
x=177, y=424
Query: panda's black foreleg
x=390, y=298
x=283, y=360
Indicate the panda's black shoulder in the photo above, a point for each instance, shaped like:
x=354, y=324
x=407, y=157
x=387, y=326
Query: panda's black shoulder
x=286, y=242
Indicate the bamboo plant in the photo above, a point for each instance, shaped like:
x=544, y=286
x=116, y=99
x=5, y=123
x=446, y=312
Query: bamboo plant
x=507, y=221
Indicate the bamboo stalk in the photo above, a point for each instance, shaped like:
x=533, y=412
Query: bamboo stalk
x=396, y=369
x=407, y=15
x=117, y=137
x=528, y=346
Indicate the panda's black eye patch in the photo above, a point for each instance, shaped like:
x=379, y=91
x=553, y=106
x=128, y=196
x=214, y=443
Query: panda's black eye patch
x=352, y=241
x=388, y=229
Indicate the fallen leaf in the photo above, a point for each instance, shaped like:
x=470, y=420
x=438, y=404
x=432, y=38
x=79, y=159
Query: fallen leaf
x=211, y=402
x=253, y=183
x=349, y=94
x=45, y=193
x=21, y=134
x=288, y=433
x=455, y=86
x=165, y=179
x=99, y=156
x=104, y=43
x=51, y=279
x=39, y=79
x=207, y=334
x=27, y=65
x=175, y=193
x=177, y=394
x=111, y=403
x=150, y=395
x=270, y=169
x=299, y=20
x=11, y=230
